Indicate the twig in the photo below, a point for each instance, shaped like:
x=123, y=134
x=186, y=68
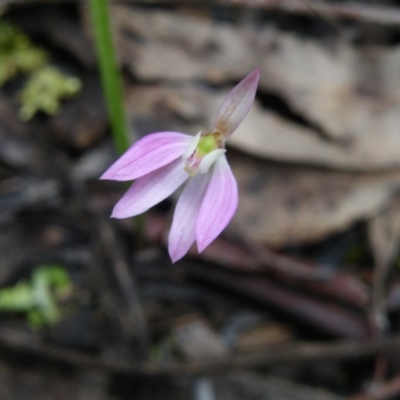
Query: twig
x=114, y=253
x=338, y=285
x=331, y=318
x=299, y=353
x=235, y=253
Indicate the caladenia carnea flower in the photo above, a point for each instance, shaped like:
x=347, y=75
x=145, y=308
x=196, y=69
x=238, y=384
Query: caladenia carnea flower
x=161, y=162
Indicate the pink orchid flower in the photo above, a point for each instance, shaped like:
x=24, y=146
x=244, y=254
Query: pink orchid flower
x=161, y=162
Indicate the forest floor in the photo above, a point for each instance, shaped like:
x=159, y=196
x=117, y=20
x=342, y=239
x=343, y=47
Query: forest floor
x=298, y=299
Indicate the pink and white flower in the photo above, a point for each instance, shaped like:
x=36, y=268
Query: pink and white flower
x=161, y=162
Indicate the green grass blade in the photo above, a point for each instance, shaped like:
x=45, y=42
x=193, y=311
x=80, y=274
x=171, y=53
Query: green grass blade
x=110, y=73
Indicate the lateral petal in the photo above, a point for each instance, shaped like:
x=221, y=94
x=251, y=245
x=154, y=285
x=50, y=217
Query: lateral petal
x=218, y=206
x=183, y=230
x=237, y=104
x=148, y=154
x=150, y=189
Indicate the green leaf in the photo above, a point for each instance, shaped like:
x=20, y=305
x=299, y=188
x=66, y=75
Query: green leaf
x=38, y=299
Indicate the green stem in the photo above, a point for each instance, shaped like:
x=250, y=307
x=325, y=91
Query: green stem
x=110, y=73
x=112, y=86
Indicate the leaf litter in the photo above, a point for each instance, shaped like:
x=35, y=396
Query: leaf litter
x=318, y=156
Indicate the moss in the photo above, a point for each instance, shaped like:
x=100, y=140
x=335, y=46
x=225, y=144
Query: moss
x=46, y=87
x=44, y=91
x=17, y=53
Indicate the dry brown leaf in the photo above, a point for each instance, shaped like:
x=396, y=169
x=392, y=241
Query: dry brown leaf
x=279, y=205
x=350, y=93
x=350, y=96
x=180, y=47
x=268, y=135
x=283, y=205
x=190, y=108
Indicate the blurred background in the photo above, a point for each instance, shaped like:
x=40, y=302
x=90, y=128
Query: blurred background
x=298, y=299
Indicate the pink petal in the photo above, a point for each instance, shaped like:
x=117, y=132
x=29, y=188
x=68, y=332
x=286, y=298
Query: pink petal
x=219, y=204
x=148, y=154
x=150, y=189
x=237, y=104
x=182, y=234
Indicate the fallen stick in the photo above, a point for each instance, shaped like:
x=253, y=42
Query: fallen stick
x=28, y=344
